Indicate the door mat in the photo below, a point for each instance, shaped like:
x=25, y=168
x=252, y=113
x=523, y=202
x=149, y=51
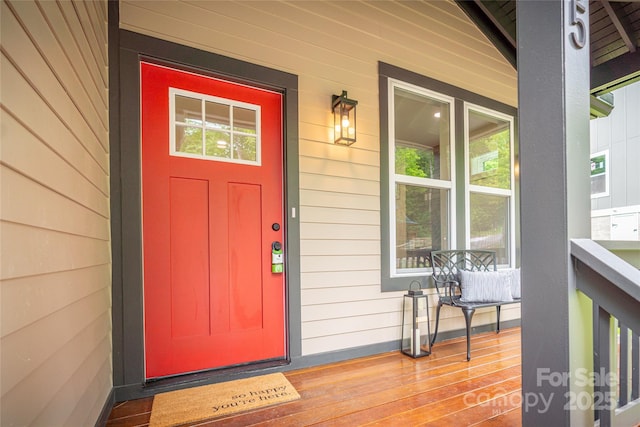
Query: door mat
x=179, y=407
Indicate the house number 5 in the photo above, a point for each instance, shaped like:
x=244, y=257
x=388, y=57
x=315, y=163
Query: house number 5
x=579, y=35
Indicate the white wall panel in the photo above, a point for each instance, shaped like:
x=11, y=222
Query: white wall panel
x=619, y=133
x=333, y=46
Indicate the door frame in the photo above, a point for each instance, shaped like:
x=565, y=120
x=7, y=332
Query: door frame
x=126, y=50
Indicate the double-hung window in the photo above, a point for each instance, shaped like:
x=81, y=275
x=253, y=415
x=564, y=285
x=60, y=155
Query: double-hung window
x=421, y=180
x=489, y=179
x=447, y=173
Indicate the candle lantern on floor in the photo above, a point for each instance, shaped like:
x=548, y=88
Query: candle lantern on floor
x=416, y=331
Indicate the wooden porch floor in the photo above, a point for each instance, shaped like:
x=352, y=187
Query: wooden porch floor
x=442, y=389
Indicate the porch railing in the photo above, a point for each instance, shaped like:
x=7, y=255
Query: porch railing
x=614, y=287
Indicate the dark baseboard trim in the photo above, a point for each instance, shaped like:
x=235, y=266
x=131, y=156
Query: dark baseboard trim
x=369, y=350
x=137, y=391
x=106, y=409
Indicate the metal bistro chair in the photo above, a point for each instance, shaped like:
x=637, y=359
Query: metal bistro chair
x=446, y=265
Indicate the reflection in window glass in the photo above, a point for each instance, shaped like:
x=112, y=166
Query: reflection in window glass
x=244, y=120
x=422, y=135
x=490, y=224
x=489, y=151
x=421, y=224
x=217, y=116
x=188, y=139
x=218, y=144
x=188, y=110
x=244, y=147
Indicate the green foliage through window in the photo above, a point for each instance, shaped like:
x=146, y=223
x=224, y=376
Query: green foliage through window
x=414, y=162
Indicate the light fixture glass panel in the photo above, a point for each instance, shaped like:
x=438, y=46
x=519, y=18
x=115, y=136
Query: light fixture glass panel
x=218, y=144
x=490, y=224
x=188, y=139
x=422, y=140
x=244, y=120
x=188, y=110
x=217, y=116
x=422, y=225
x=244, y=147
x=489, y=151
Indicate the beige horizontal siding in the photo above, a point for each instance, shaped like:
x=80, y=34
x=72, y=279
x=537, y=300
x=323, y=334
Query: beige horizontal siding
x=313, y=280
x=324, y=150
x=320, y=312
x=356, y=324
x=55, y=88
x=55, y=290
x=339, y=341
x=39, y=125
x=52, y=340
x=338, y=200
x=334, y=295
x=27, y=251
x=40, y=164
x=37, y=205
x=55, y=268
x=340, y=247
x=55, y=57
x=347, y=169
x=338, y=231
x=339, y=184
x=333, y=46
x=339, y=262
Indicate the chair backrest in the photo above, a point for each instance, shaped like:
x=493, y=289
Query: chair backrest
x=446, y=264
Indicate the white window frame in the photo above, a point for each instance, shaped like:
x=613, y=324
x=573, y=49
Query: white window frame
x=479, y=189
x=173, y=92
x=417, y=181
x=604, y=153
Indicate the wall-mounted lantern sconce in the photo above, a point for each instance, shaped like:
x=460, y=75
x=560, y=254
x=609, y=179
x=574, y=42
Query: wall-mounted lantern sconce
x=344, y=119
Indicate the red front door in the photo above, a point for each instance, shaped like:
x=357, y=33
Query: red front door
x=212, y=207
